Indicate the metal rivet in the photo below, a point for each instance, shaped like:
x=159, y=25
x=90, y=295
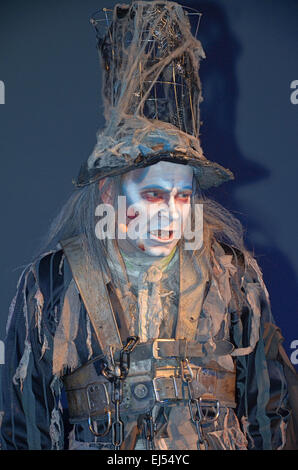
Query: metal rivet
x=141, y=391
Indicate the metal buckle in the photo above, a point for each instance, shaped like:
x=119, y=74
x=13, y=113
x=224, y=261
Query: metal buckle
x=155, y=347
x=108, y=428
x=94, y=388
x=209, y=403
x=157, y=390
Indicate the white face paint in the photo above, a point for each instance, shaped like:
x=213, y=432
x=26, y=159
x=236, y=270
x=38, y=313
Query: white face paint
x=161, y=191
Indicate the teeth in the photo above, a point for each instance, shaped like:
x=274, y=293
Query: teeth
x=163, y=234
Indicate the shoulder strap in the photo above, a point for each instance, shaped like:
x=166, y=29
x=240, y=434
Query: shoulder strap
x=93, y=291
x=194, y=281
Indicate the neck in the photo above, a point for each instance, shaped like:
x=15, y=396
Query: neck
x=135, y=258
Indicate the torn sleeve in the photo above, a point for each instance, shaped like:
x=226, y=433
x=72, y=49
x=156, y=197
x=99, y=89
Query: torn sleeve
x=32, y=407
x=262, y=388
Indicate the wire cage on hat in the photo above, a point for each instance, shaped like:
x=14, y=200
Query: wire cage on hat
x=151, y=92
x=164, y=85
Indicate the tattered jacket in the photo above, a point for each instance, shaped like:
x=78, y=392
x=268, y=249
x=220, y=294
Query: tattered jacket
x=49, y=335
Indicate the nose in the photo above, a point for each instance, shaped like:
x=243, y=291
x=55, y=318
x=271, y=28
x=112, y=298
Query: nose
x=173, y=212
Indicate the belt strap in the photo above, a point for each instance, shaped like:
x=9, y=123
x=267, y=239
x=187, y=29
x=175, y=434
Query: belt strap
x=194, y=284
x=89, y=394
x=180, y=348
x=93, y=290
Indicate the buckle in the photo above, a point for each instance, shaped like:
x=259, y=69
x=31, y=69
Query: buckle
x=97, y=396
x=170, y=386
x=155, y=347
x=108, y=425
x=209, y=403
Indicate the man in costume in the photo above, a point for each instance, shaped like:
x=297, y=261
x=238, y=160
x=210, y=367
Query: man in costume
x=159, y=341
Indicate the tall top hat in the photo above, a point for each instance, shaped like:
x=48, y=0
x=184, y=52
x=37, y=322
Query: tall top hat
x=151, y=93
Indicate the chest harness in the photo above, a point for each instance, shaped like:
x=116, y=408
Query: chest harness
x=130, y=377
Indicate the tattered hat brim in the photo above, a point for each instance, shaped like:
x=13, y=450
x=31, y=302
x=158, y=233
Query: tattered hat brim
x=207, y=173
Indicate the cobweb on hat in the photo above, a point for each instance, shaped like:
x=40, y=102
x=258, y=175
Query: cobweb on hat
x=151, y=92
x=150, y=62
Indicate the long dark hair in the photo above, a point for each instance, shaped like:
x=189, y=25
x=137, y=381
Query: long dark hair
x=77, y=217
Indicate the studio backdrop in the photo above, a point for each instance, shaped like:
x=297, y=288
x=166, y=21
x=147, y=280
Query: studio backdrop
x=51, y=108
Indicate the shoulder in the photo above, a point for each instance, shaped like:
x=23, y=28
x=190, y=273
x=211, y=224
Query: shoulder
x=246, y=276
x=44, y=273
x=245, y=263
x=49, y=271
x=250, y=285
x=41, y=286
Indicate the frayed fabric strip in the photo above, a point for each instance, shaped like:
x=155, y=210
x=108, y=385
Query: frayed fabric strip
x=21, y=371
x=65, y=353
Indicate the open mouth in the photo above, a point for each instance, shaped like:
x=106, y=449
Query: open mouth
x=162, y=235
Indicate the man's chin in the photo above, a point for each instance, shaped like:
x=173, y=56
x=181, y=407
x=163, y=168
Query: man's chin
x=157, y=250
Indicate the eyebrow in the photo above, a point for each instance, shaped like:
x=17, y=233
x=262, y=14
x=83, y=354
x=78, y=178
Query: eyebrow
x=161, y=188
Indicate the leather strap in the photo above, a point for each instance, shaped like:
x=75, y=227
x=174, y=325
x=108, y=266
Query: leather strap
x=88, y=394
x=93, y=290
x=179, y=348
x=193, y=284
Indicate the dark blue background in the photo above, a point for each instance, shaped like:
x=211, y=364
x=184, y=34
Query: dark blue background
x=49, y=64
